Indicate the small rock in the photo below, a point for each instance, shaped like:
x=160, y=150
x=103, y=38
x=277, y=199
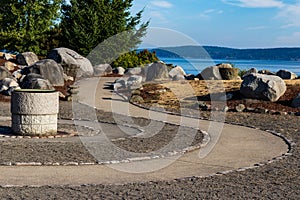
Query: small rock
x=69, y=98
x=137, y=99
x=17, y=74
x=61, y=95
x=68, y=78
x=8, y=85
x=249, y=109
x=136, y=92
x=261, y=110
x=190, y=77
x=225, y=109
x=240, y=108
x=10, y=66
x=266, y=72
x=202, y=104
x=119, y=71
x=296, y=102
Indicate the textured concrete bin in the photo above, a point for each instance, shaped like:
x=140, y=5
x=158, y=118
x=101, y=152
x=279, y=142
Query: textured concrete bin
x=34, y=112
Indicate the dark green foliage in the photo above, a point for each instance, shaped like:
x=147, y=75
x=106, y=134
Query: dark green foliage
x=26, y=24
x=134, y=59
x=242, y=72
x=86, y=24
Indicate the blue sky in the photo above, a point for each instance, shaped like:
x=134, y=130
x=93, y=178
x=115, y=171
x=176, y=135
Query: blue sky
x=229, y=23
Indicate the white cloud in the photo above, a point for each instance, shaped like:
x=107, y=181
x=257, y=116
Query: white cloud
x=157, y=15
x=290, y=13
x=162, y=4
x=256, y=28
x=255, y=3
x=208, y=13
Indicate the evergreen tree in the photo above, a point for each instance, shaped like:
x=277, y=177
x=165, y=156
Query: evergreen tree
x=87, y=23
x=25, y=24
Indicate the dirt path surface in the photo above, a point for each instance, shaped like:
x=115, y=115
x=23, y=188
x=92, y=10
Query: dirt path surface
x=236, y=147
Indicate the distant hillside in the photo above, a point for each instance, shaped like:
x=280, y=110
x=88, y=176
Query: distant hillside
x=287, y=54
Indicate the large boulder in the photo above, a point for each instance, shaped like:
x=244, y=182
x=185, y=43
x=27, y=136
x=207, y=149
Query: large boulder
x=48, y=69
x=102, y=69
x=157, y=71
x=27, y=58
x=250, y=71
x=134, y=71
x=73, y=63
x=263, y=87
x=285, y=74
x=176, y=72
x=35, y=81
x=134, y=82
x=213, y=72
x=4, y=73
x=229, y=73
x=210, y=73
x=296, y=102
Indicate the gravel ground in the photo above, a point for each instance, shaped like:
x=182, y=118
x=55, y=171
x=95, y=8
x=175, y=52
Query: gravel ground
x=61, y=150
x=278, y=180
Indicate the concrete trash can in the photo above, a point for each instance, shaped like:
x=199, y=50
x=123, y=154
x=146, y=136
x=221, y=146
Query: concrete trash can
x=34, y=112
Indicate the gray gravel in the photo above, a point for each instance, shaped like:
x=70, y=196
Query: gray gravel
x=278, y=180
x=72, y=149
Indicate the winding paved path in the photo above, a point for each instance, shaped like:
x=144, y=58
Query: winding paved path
x=232, y=148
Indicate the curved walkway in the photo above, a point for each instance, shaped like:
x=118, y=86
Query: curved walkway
x=236, y=147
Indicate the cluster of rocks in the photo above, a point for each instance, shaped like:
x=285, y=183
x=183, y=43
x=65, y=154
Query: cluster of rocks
x=62, y=65
x=242, y=108
x=261, y=85
x=222, y=71
x=284, y=74
x=26, y=71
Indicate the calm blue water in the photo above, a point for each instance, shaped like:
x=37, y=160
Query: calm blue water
x=195, y=66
